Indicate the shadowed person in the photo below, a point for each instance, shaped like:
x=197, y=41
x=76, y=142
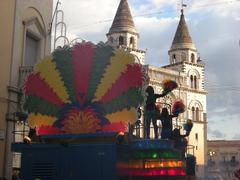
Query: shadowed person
x=166, y=120
x=150, y=113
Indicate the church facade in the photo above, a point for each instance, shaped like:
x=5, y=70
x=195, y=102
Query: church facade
x=29, y=28
x=185, y=67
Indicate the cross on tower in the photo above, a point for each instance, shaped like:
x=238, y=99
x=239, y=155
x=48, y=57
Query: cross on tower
x=183, y=5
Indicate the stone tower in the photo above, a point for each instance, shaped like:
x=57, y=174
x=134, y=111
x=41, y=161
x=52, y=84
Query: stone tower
x=183, y=48
x=123, y=33
x=185, y=59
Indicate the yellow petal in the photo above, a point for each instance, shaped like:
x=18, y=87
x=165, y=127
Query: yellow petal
x=48, y=71
x=126, y=115
x=118, y=64
x=40, y=120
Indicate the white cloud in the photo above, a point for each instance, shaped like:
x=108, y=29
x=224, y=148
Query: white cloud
x=83, y=17
x=162, y=3
x=224, y=121
x=220, y=7
x=236, y=136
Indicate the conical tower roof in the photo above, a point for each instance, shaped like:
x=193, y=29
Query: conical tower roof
x=123, y=21
x=182, y=38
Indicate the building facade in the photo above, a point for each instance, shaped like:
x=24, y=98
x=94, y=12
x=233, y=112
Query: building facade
x=25, y=39
x=223, y=158
x=185, y=67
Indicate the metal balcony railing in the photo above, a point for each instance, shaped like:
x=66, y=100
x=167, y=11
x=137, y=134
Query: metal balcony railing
x=138, y=132
x=20, y=126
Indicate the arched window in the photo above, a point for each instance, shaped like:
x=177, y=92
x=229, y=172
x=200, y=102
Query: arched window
x=195, y=82
x=132, y=41
x=183, y=56
x=174, y=58
x=193, y=114
x=32, y=48
x=197, y=114
x=121, y=40
x=192, y=58
x=191, y=81
x=111, y=39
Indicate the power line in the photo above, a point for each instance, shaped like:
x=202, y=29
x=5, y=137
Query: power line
x=214, y=4
x=161, y=12
x=214, y=84
x=223, y=86
x=214, y=87
x=220, y=89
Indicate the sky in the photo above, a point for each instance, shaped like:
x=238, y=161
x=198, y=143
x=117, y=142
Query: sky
x=215, y=29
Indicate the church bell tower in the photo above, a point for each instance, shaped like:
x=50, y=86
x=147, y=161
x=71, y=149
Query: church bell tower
x=123, y=33
x=184, y=58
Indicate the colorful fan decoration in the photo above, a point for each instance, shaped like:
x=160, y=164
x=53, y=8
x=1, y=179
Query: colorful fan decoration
x=168, y=86
x=178, y=107
x=84, y=89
